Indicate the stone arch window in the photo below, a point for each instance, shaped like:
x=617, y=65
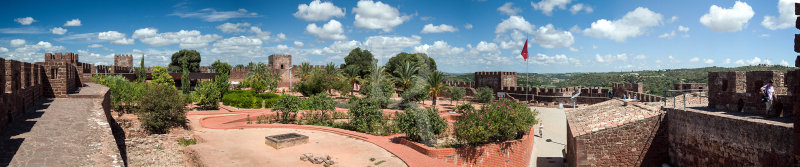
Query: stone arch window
x=281, y=66
x=724, y=85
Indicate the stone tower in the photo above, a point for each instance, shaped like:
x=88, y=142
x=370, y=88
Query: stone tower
x=123, y=60
x=280, y=62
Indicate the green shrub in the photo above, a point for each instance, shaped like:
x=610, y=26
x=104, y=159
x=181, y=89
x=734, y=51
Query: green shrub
x=485, y=94
x=366, y=116
x=464, y=108
x=186, y=142
x=288, y=105
x=323, y=103
x=499, y=121
x=161, y=108
x=161, y=77
x=249, y=99
x=124, y=94
x=456, y=93
x=420, y=125
x=206, y=95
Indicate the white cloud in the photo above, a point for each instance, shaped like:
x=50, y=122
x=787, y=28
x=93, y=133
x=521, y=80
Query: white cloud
x=153, y=57
x=233, y=27
x=667, y=35
x=727, y=61
x=468, y=26
x=573, y=49
x=514, y=23
x=263, y=35
x=439, y=49
x=3, y=50
x=95, y=46
x=17, y=42
x=282, y=47
x=330, y=31
x=683, y=29
x=298, y=43
x=341, y=47
x=639, y=57
x=212, y=15
x=694, y=60
x=318, y=11
x=184, y=38
x=22, y=30
x=377, y=15
x=633, y=24
x=786, y=18
x=238, y=46
x=280, y=37
x=784, y=63
x=557, y=59
x=58, y=30
x=708, y=61
x=764, y=36
x=580, y=7
x=509, y=9
x=673, y=60
x=611, y=58
x=25, y=20
x=547, y=6
x=549, y=37
x=430, y=28
x=426, y=18
x=720, y=19
x=73, y=22
x=114, y=37
x=754, y=61
x=32, y=52
x=384, y=47
x=673, y=19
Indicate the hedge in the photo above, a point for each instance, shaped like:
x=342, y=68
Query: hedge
x=249, y=99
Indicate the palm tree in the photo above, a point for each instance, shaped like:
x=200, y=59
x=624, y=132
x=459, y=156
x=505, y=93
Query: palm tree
x=352, y=77
x=435, y=85
x=305, y=70
x=405, y=75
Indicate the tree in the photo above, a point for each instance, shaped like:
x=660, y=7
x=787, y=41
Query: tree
x=456, y=94
x=360, y=61
x=221, y=67
x=323, y=103
x=423, y=63
x=260, y=77
x=185, y=83
x=160, y=109
x=435, y=85
x=405, y=75
x=190, y=58
x=141, y=72
x=162, y=77
x=421, y=125
x=222, y=84
x=207, y=95
x=305, y=70
x=352, y=78
x=484, y=94
x=287, y=104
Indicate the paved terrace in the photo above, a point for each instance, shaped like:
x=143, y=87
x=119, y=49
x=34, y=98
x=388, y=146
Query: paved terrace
x=62, y=132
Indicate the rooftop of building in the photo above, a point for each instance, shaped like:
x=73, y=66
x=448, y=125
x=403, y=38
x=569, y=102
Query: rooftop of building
x=608, y=114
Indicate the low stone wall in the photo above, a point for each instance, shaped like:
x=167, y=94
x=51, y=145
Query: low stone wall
x=702, y=138
x=509, y=153
x=639, y=143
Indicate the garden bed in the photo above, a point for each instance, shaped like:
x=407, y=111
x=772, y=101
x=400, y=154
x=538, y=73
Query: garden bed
x=508, y=153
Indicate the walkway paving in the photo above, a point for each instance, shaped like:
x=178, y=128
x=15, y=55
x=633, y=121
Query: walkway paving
x=60, y=132
x=411, y=157
x=547, y=149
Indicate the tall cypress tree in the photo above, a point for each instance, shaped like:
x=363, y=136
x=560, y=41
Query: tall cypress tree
x=141, y=74
x=185, y=79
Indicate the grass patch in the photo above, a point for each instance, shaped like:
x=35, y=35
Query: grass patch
x=186, y=142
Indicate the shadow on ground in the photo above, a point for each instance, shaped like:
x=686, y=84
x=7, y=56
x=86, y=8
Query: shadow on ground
x=550, y=161
x=24, y=124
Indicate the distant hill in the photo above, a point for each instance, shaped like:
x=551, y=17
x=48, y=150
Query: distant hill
x=655, y=82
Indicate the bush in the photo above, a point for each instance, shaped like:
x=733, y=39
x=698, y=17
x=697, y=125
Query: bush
x=456, y=93
x=499, y=121
x=161, y=108
x=485, y=95
x=249, y=99
x=420, y=125
x=465, y=108
x=366, y=116
x=207, y=95
x=323, y=103
x=161, y=77
x=124, y=94
x=288, y=105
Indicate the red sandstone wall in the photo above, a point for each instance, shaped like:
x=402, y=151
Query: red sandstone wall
x=509, y=153
x=639, y=143
x=699, y=138
x=741, y=91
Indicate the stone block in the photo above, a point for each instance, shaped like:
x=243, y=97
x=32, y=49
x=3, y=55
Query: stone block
x=286, y=140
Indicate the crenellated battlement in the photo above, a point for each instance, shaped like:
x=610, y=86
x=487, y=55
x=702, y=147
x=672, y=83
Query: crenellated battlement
x=66, y=57
x=123, y=60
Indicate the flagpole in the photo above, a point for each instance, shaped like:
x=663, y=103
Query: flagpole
x=527, y=76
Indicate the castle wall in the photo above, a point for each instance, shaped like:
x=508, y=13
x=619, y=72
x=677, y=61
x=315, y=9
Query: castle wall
x=741, y=92
x=639, y=143
x=701, y=138
x=123, y=61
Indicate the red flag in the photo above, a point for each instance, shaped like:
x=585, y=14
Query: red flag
x=525, y=51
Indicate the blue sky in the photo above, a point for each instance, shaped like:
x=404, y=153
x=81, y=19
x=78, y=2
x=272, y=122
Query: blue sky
x=461, y=35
